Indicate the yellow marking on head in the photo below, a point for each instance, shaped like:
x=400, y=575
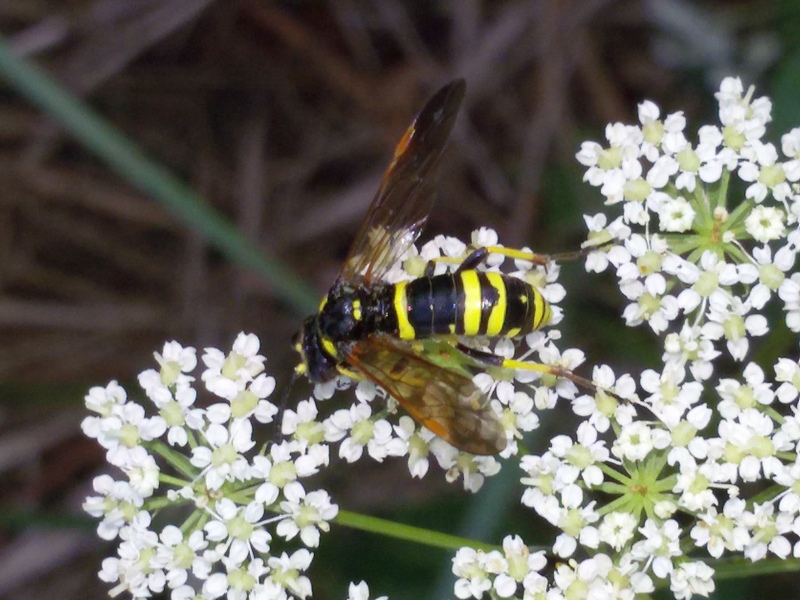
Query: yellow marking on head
x=357, y=310
x=472, y=302
x=329, y=347
x=301, y=369
x=404, y=327
x=497, y=315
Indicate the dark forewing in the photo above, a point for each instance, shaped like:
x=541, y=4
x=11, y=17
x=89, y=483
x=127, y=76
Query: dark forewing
x=406, y=194
x=445, y=401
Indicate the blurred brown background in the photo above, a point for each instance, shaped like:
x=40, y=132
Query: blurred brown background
x=282, y=116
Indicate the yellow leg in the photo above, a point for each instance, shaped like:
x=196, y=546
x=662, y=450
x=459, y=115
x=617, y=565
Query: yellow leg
x=513, y=253
x=520, y=365
x=475, y=257
x=539, y=259
x=493, y=361
x=351, y=373
x=478, y=255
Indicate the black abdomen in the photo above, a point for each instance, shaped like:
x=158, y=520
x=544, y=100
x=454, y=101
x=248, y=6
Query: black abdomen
x=468, y=303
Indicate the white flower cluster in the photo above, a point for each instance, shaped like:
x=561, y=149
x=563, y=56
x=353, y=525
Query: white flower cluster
x=675, y=468
x=237, y=500
x=666, y=472
x=517, y=572
x=680, y=250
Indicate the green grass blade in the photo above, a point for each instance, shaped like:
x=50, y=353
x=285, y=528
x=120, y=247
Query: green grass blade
x=128, y=161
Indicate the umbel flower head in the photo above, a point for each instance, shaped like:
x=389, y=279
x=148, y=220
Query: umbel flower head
x=668, y=472
x=236, y=499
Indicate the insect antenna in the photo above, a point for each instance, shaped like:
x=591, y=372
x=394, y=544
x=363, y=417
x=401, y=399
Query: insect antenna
x=282, y=407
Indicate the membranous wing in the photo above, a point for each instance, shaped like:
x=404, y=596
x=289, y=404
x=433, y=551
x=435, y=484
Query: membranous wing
x=443, y=399
x=406, y=194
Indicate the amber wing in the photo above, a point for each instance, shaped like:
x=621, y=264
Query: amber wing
x=444, y=400
x=406, y=194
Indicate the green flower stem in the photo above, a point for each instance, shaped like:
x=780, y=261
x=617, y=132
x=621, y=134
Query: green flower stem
x=695, y=254
x=766, y=495
x=739, y=214
x=179, y=461
x=614, y=474
x=248, y=490
x=614, y=489
x=156, y=503
x=686, y=543
x=193, y=522
x=408, y=532
x=242, y=496
x=665, y=485
x=681, y=243
x=722, y=193
x=738, y=254
x=191, y=439
x=176, y=481
x=128, y=161
x=704, y=211
x=654, y=463
x=787, y=456
x=777, y=417
x=737, y=568
x=196, y=521
x=622, y=503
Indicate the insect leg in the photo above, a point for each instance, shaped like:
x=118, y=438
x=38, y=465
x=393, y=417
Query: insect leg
x=541, y=259
x=473, y=259
x=278, y=418
x=479, y=255
x=493, y=360
x=487, y=358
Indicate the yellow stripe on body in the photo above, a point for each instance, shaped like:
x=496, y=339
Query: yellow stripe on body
x=547, y=317
x=497, y=316
x=472, y=302
x=404, y=327
x=541, y=309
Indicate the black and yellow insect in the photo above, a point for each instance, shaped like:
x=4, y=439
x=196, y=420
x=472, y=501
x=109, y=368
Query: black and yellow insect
x=403, y=336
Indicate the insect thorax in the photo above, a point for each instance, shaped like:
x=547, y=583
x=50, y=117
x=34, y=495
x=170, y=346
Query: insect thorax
x=346, y=315
x=349, y=314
